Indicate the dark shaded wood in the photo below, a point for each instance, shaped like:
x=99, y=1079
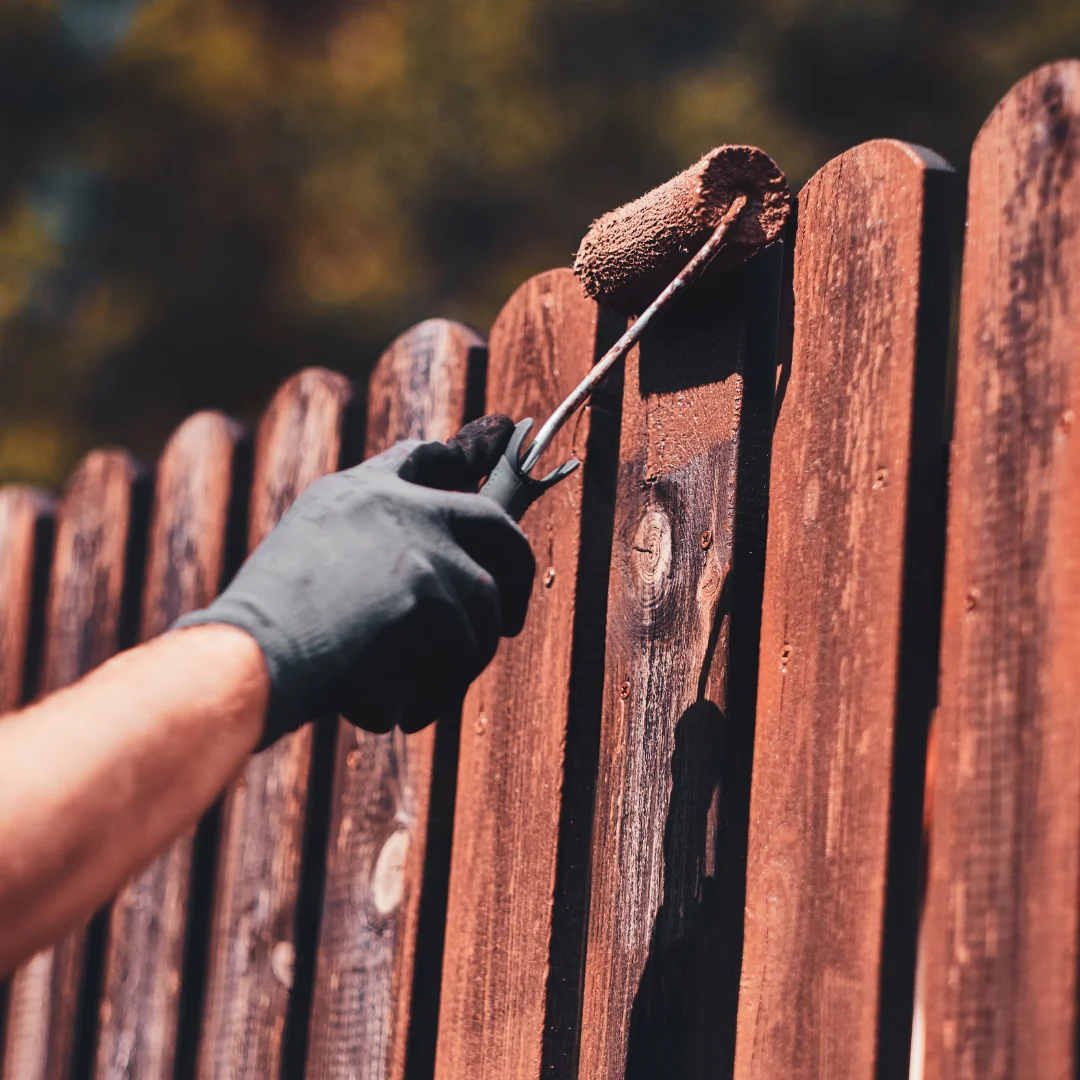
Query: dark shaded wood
x=260, y=966
x=26, y=517
x=186, y=563
x=662, y=967
x=1001, y=927
x=515, y=917
x=375, y=1001
x=97, y=561
x=848, y=645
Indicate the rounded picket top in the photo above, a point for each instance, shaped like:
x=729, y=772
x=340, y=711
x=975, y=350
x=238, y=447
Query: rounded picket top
x=26, y=522
x=427, y=380
x=875, y=157
x=1046, y=102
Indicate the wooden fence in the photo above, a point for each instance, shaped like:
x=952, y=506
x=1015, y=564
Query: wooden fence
x=678, y=828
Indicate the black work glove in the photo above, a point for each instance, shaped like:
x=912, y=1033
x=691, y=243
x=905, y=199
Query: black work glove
x=382, y=592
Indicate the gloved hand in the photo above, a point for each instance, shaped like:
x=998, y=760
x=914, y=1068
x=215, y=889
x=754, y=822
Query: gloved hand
x=382, y=592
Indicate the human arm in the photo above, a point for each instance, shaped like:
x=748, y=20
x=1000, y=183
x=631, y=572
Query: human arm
x=380, y=595
x=99, y=777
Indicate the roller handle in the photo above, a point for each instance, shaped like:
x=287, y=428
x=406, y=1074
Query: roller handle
x=513, y=488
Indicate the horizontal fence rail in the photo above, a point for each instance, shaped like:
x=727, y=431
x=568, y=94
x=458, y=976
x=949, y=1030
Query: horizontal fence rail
x=684, y=823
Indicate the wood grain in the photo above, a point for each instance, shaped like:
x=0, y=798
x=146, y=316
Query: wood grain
x=187, y=561
x=685, y=581
x=848, y=648
x=262, y=934
x=1001, y=924
x=375, y=1002
x=515, y=917
x=96, y=565
x=26, y=524
x=26, y=517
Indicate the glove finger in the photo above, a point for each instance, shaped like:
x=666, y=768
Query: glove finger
x=481, y=604
x=410, y=671
x=463, y=461
x=478, y=594
x=483, y=442
x=421, y=667
x=492, y=539
x=415, y=719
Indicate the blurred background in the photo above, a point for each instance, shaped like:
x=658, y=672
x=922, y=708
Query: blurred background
x=198, y=197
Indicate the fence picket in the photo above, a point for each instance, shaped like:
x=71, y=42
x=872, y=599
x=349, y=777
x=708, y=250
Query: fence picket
x=95, y=570
x=848, y=653
x=262, y=932
x=375, y=1003
x=1000, y=936
x=187, y=561
x=26, y=524
x=685, y=581
x=515, y=916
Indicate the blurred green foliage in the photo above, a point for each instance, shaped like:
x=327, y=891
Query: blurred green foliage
x=200, y=196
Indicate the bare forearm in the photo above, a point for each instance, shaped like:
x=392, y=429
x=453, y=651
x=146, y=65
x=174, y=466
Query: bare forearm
x=98, y=778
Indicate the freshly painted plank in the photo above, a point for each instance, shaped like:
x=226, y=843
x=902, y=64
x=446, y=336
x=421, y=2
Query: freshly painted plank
x=96, y=563
x=848, y=643
x=1001, y=926
x=515, y=918
x=376, y=1000
x=683, y=602
x=187, y=560
x=26, y=522
x=255, y=1011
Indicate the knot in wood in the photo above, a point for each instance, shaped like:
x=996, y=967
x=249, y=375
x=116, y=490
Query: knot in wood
x=388, y=877
x=283, y=963
x=650, y=556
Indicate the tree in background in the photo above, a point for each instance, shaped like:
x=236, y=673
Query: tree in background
x=200, y=196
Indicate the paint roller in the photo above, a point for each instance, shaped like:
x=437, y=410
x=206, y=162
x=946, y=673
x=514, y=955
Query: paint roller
x=638, y=259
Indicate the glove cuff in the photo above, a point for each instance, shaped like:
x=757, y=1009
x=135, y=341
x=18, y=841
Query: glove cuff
x=284, y=710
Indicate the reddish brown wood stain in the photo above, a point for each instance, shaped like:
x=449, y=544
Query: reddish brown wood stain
x=365, y=1014
x=498, y=992
x=24, y=512
x=659, y=974
x=140, y=1001
x=829, y=694
x=1001, y=923
x=253, y=948
x=83, y=628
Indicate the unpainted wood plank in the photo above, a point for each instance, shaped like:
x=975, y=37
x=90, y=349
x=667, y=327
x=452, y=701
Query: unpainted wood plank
x=259, y=970
x=186, y=562
x=515, y=916
x=26, y=517
x=26, y=521
x=685, y=582
x=1001, y=925
x=847, y=657
x=375, y=1000
x=99, y=530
